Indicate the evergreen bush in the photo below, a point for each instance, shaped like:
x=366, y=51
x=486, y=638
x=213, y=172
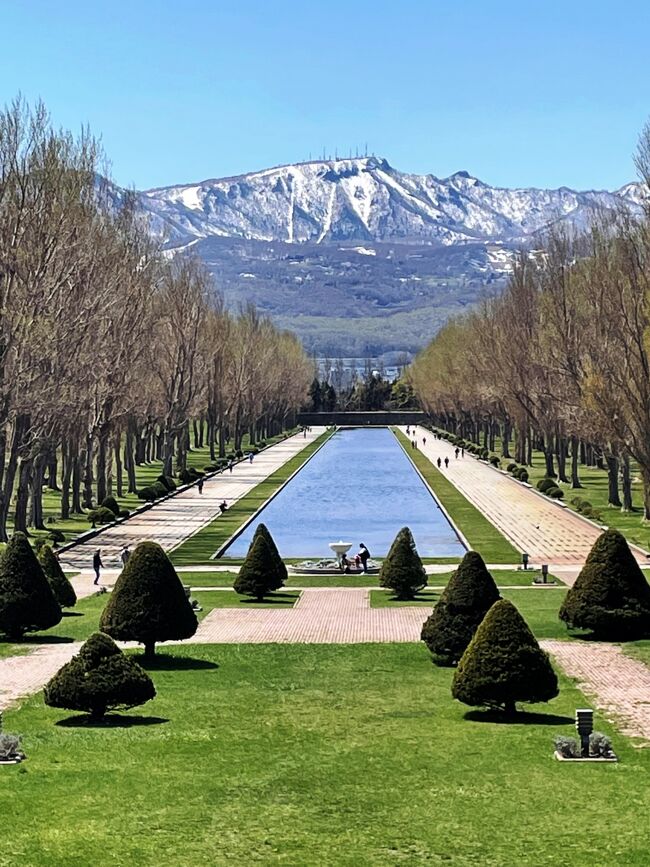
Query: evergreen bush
x=56, y=537
x=167, y=482
x=495, y=461
x=262, y=571
x=98, y=679
x=124, y=513
x=611, y=596
x=148, y=603
x=101, y=515
x=511, y=467
x=468, y=596
x=61, y=588
x=111, y=503
x=148, y=493
x=555, y=493
x=545, y=484
x=27, y=603
x=402, y=570
x=504, y=664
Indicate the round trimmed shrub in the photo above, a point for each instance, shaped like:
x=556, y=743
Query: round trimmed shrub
x=148, y=603
x=611, y=596
x=57, y=536
x=61, y=588
x=464, y=602
x=546, y=484
x=504, y=664
x=167, y=482
x=495, y=461
x=102, y=515
x=27, y=603
x=98, y=679
x=124, y=513
x=402, y=570
x=522, y=474
x=555, y=493
x=110, y=503
x=512, y=467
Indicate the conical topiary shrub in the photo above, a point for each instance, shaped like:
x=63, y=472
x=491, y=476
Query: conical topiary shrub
x=148, y=603
x=258, y=574
x=61, y=588
x=402, y=570
x=464, y=602
x=503, y=664
x=277, y=567
x=611, y=595
x=27, y=603
x=98, y=679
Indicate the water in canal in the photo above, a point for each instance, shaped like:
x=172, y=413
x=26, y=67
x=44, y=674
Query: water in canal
x=359, y=487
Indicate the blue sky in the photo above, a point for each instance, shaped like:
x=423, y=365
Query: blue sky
x=519, y=94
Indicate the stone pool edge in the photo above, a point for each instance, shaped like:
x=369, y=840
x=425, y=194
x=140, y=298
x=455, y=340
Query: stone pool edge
x=454, y=526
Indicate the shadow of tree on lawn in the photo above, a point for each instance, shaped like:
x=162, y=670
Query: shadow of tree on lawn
x=168, y=662
x=522, y=717
x=111, y=720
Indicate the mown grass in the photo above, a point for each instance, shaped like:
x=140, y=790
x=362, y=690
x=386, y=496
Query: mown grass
x=200, y=547
x=80, y=622
x=316, y=754
x=479, y=532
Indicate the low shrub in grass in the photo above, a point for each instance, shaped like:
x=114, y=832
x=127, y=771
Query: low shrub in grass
x=167, y=482
x=468, y=596
x=124, y=513
x=521, y=473
x=148, y=493
x=262, y=571
x=611, y=596
x=57, y=537
x=495, y=461
x=98, y=679
x=148, y=603
x=101, y=515
x=110, y=503
x=59, y=584
x=546, y=484
x=504, y=664
x=402, y=570
x=27, y=603
x=512, y=467
x=555, y=493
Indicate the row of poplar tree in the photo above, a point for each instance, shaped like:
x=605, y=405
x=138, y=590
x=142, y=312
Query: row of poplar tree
x=561, y=360
x=110, y=349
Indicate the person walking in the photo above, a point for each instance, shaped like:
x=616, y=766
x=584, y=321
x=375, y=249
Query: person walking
x=364, y=556
x=424, y=441
x=457, y=452
x=223, y=506
x=231, y=464
x=446, y=463
x=124, y=555
x=97, y=564
x=199, y=485
x=439, y=462
x=462, y=453
x=304, y=433
x=250, y=457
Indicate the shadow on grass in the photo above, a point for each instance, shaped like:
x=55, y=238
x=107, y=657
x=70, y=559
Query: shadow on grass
x=523, y=717
x=110, y=721
x=430, y=595
x=273, y=598
x=73, y=613
x=40, y=639
x=167, y=662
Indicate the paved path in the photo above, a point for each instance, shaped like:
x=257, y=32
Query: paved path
x=619, y=684
x=172, y=521
x=548, y=532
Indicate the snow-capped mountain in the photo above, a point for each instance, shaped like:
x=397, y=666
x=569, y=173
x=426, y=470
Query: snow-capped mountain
x=366, y=199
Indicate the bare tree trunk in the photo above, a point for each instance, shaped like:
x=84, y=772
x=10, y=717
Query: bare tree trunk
x=22, y=494
x=88, y=473
x=119, y=480
x=560, y=443
x=626, y=484
x=613, y=497
x=575, y=453
x=36, y=485
x=65, y=481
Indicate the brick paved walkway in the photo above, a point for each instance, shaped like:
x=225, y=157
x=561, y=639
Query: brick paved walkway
x=173, y=520
x=619, y=685
x=547, y=531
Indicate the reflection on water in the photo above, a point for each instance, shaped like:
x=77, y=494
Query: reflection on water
x=359, y=487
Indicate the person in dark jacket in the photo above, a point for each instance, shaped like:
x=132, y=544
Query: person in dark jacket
x=97, y=564
x=364, y=556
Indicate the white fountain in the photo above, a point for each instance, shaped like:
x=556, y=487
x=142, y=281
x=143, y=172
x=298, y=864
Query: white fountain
x=340, y=548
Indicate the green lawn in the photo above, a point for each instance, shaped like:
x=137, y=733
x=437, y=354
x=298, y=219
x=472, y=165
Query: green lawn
x=200, y=547
x=208, y=579
x=82, y=620
x=480, y=533
x=539, y=607
x=308, y=754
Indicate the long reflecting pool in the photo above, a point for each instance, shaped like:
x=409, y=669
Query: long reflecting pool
x=359, y=487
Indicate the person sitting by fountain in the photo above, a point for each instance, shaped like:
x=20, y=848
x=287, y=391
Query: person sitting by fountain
x=363, y=556
x=344, y=564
